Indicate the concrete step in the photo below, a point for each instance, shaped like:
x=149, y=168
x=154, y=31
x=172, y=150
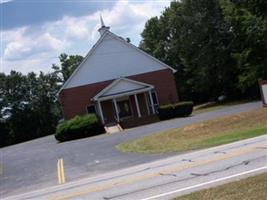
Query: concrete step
x=112, y=128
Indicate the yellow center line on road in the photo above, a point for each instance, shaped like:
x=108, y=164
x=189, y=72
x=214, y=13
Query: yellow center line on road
x=215, y=158
x=60, y=171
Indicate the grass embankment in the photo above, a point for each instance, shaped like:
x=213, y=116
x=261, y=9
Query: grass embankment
x=200, y=135
x=216, y=106
x=252, y=188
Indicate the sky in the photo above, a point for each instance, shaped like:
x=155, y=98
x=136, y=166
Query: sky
x=35, y=32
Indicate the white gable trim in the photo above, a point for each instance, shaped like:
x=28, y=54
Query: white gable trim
x=85, y=58
x=143, y=87
x=141, y=51
x=97, y=44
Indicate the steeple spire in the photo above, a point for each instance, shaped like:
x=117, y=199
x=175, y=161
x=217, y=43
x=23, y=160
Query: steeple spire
x=102, y=22
x=103, y=28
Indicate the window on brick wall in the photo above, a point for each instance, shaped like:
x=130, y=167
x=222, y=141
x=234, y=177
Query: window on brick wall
x=91, y=109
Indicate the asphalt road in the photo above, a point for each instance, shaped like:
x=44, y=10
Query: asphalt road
x=167, y=178
x=32, y=165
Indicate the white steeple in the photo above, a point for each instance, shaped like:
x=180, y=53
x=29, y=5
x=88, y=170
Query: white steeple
x=103, y=28
x=101, y=20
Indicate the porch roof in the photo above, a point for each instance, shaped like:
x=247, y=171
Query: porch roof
x=122, y=87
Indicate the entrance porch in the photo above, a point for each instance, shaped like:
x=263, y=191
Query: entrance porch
x=127, y=102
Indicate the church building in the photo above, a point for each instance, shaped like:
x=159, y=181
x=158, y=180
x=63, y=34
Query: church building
x=119, y=82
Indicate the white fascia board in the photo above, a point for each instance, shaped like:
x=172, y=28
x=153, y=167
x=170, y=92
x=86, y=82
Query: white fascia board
x=97, y=44
x=143, y=52
x=123, y=94
x=85, y=58
x=136, y=82
x=115, y=82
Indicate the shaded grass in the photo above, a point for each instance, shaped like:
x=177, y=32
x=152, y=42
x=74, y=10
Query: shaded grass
x=200, y=135
x=216, y=106
x=208, y=109
x=252, y=188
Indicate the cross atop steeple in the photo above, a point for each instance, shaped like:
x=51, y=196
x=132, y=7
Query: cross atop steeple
x=103, y=28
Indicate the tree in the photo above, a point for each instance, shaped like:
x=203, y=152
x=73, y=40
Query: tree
x=152, y=37
x=32, y=103
x=193, y=37
x=67, y=65
x=248, y=20
x=28, y=103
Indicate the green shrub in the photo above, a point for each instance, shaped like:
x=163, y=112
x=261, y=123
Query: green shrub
x=79, y=127
x=166, y=112
x=181, y=109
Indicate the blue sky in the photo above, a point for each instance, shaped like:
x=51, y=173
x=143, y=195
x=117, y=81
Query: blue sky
x=35, y=32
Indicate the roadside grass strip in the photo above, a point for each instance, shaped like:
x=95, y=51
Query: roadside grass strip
x=247, y=189
x=60, y=171
x=218, y=131
x=216, y=106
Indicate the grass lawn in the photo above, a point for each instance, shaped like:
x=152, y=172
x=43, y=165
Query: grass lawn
x=203, y=134
x=216, y=106
x=252, y=188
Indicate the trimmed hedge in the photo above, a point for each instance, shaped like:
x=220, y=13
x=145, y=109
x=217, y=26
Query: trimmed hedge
x=79, y=127
x=181, y=109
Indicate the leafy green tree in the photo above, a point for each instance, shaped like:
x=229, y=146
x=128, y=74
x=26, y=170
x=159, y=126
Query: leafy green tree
x=152, y=38
x=4, y=134
x=33, y=105
x=67, y=65
x=30, y=101
x=193, y=37
x=248, y=20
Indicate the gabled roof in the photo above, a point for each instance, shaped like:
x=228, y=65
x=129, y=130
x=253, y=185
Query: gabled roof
x=112, y=57
x=122, y=87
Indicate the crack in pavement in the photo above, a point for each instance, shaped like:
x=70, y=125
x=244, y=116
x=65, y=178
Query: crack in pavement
x=221, y=170
x=187, y=160
x=222, y=152
x=151, y=187
x=193, y=176
x=246, y=162
x=166, y=174
x=261, y=147
x=97, y=181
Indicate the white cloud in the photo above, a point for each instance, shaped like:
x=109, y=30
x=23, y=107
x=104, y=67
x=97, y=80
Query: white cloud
x=35, y=64
x=76, y=29
x=36, y=48
x=4, y=1
x=25, y=46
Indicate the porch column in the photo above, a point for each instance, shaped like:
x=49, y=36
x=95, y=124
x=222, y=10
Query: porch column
x=100, y=112
x=151, y=101
x=116, y=109
x=147, y=104
x=137, y=105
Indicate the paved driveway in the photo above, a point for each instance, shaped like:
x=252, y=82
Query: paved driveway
x=32, y=165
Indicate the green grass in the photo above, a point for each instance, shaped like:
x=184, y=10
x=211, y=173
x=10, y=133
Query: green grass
x=201, y=135
x=235, y=136
x=208, y=109
x=217, y=106
x=252, y=188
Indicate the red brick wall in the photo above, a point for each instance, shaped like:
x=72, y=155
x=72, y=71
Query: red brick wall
x=164, y=83
x=75, y=100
